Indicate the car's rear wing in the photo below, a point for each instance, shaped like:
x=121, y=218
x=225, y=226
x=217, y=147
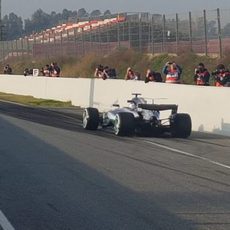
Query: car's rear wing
x=159, y=107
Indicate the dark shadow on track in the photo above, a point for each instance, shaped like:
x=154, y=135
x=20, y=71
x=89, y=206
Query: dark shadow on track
x=42, y=187
x=71, y=119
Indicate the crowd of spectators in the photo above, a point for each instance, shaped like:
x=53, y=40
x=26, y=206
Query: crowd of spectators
x=172, y=74
x=221, y=76
x=52, y=70
x=105, y=72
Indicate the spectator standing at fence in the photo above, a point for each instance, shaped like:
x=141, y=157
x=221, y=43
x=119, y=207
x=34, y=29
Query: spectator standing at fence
x=55, y=70
x=131, y=75
x=28, y=72
x=172, y=73
x=99, y=72
x=46, y=71
x=105, y=72
x=221, y=76
x=7, y=69
x=110, y=72
x=202, y=75
x=152, y=76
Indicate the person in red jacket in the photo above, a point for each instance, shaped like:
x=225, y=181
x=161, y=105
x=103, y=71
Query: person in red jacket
x=201, y=76
x=221, y=76
x=172, y=73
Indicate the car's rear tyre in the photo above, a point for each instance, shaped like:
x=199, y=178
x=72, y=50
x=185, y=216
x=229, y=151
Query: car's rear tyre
x=90, y=118
x=124, y=124
x=181, y=125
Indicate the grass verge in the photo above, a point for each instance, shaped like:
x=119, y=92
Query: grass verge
x=29, y=100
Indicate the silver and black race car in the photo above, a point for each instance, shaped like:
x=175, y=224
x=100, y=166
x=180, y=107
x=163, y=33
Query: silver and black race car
x=140, y=118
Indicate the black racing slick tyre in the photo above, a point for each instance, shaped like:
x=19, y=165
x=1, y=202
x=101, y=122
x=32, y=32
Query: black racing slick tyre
x=181, y=125
x=90, y=119
x=124, y=124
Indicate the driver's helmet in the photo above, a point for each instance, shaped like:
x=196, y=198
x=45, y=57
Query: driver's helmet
x=139, y=100
x=132, y=106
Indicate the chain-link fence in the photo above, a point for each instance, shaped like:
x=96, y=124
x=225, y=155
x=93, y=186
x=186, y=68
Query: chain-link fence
x=204, y=32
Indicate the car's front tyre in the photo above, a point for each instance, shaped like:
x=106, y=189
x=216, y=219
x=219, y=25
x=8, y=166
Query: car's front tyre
x=90, y=118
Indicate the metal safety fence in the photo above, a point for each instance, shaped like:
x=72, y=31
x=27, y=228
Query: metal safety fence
x=203, y=32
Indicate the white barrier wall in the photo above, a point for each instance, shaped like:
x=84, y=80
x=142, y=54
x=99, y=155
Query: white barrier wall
x=63, y=89
x=208, y=106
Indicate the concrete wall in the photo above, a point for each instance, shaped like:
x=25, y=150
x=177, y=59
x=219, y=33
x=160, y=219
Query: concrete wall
x=63, y=89
x=208, y=106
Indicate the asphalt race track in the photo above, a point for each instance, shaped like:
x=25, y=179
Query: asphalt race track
x=56, y=176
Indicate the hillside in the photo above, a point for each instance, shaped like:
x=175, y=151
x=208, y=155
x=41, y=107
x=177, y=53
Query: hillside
x=120, y=59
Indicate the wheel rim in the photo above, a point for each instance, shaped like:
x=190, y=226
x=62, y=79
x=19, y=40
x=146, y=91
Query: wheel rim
x=85, y=120
x=117, y=125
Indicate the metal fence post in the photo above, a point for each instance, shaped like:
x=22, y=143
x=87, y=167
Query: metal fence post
x=123, y=32
x=34, y=42
x=118, y=35
x=152, y=36
x=149, y=33
x=190, y=31
x=67, y=35
x=219, y=33
x=12, y=48
x=61, y=44
x=3, y=50
x=22, y=46
x=90, y=38
x=129, y=31
x=54, y=48
x=99, y=38
x=43, y=38
x=75, y=41
x=28, y=46
x=140, y=34
x=163, y=33
x=16, y=47
x=34, y=39
x=49, y=39
x=177, y=33
x=107, y=33
x=205, y=33
x=83, y=42
x=7, y=48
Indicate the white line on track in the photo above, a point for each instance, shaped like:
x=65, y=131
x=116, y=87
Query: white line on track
x=4, y=223
x=189, y=154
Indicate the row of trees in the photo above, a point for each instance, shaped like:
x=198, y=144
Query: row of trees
x=14, y=27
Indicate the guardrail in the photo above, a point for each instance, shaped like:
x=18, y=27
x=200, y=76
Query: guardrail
x=208, y=106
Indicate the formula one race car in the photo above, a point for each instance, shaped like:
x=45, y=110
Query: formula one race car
x=139, y=118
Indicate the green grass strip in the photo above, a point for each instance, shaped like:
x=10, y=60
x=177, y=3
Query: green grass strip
x=29, y=100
